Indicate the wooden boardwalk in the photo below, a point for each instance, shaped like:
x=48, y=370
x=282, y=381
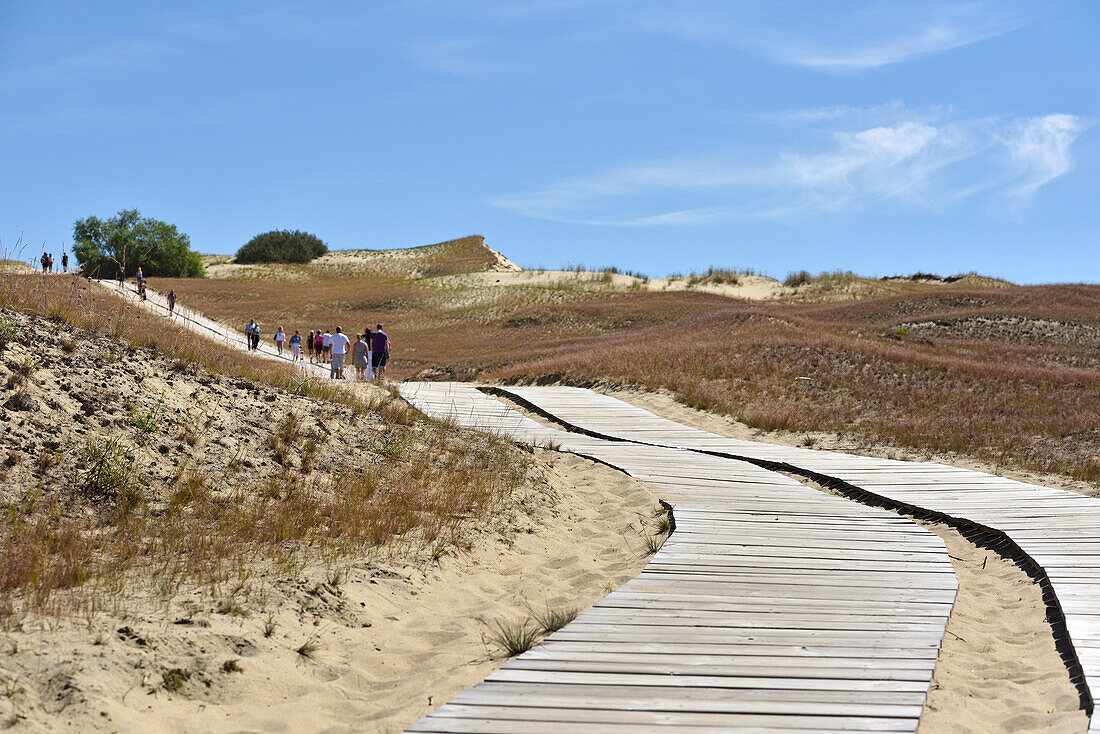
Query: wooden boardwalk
x=1057, y=529
x=773, y=607
x=156, y=302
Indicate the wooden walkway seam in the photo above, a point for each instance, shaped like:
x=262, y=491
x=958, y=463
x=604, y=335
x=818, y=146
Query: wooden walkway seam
x=773, y=607
x=1053, y=535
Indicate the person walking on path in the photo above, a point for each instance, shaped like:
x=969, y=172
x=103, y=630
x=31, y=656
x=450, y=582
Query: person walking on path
x=326, y=346
x=362, y=363
x=65, y=262
x=309, y=345
x=140, y=277
x=280, y=338
x=43, y=261
x=295, y=347
x=121, y=278
x=248, y=332
x=380, y=351
x=339, y=348
x=172, y=302
x=318, y=341
x=255, y=337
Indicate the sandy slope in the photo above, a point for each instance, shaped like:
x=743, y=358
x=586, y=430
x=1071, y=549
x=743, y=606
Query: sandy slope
x=397, y=638
x=749, y=287
x=397, y=631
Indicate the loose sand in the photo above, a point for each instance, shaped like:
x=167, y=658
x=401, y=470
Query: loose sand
x=364, y=642
x=393, y=641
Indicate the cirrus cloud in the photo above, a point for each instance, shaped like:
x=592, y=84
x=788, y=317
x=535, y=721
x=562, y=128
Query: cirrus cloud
x=915, y=164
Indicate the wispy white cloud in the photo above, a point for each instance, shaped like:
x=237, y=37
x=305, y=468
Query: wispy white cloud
x=1038, y=150
x=926, y=164
x=838, y=38
x=935, y=37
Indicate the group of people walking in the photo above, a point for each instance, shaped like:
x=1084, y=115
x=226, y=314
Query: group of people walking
x=370, y=352
x=47, y=262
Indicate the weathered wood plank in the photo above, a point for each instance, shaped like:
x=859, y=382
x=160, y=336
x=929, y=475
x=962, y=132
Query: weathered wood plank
x=1056, y=528
x=773, y=605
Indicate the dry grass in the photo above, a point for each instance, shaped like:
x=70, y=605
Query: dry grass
x=853, y=367
x=94, y=527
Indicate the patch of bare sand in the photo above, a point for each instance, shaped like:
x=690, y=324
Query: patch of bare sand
x=393, y=640
x=998, y=669
x=749, y=287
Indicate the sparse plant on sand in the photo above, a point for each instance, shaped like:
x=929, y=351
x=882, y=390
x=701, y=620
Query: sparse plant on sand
x=512, y=638
x=309, y=648
x=174, y=679
x=553, y=619
x=106, y=467
x=147, y=421
x=652, y=543
x=9, y=331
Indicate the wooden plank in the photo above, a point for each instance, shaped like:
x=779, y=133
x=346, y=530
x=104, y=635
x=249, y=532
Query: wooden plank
x=771, y=600
x=1057, y=528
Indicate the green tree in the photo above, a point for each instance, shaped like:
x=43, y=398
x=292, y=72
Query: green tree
x=129, y=241
x=282, y=246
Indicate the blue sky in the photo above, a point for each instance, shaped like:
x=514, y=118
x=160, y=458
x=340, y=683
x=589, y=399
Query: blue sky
x=657, y=136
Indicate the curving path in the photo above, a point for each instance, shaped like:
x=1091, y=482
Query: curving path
x=773, y=607
x=157, y=303
x=1055, y=529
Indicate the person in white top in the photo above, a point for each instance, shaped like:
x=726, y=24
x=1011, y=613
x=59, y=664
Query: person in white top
x=280, y=337
x=340, y=344
x=326, y=345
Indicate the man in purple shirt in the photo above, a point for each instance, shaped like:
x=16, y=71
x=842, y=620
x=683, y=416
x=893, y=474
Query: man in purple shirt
x=379, y=351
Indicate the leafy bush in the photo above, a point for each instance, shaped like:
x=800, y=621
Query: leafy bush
x=282, y=246
x=129, y=241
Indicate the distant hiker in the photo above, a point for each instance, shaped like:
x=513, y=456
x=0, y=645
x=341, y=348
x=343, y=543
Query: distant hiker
x=296, y=347
x=140, y=276
x=362, y=363
x=49, y=263
x=309, y=345
x=380, y=351
x=43, y=260
x=171, y=302
x=65, y=262
x=121, y=278
x=280, y=337
x=141, y=289
x=326, y=346
x=318, y=344
x=340, y=343
x=255, y=337
x=248, y=332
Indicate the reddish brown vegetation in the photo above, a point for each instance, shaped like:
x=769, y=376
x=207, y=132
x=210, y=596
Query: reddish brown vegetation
x=1010, y=394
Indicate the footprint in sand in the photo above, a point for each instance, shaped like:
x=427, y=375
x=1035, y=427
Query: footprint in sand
x=562, y=562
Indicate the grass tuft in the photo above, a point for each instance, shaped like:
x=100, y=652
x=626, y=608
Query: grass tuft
x=513, y=638
x=551, y=620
